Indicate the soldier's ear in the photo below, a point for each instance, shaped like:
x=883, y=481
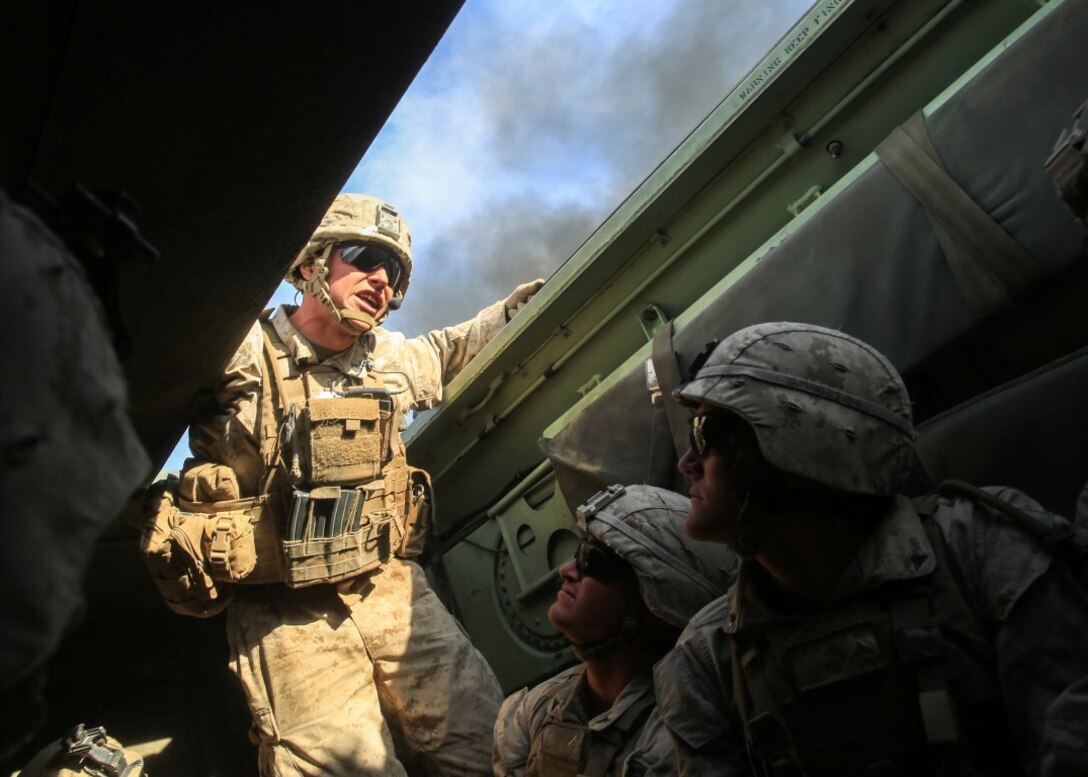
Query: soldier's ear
x=306, y=269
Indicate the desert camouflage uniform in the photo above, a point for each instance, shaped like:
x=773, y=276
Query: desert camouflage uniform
x=1030, y=594
x=613, y=732
x=548, y=731
x=336, y=675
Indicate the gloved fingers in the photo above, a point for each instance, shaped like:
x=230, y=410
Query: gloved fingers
x=521, y=295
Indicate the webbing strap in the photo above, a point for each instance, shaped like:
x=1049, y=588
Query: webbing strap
x=274, y=408
x=919, y=643
x=758, y=695
x=990, y=267
x=668, y=378
x=560, y=741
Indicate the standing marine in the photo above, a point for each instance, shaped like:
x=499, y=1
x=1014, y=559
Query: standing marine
x=300, y=516
x=866, y=633
x=626, y=595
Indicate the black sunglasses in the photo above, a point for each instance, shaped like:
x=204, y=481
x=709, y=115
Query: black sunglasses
x=369, y=257
x=713, y=430
x=596, y=561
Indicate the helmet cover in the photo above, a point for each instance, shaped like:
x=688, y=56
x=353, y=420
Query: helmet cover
x=354, y=218
x=644, y=525
x=823, y=405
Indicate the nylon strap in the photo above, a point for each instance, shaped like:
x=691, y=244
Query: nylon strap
x=668, y=378
x=271, y=413
x=918, y=642
x=990, y=267
x=565, y=746
x=754, y=693
x=560, y=741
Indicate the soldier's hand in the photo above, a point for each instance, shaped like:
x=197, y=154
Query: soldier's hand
x=520, y=296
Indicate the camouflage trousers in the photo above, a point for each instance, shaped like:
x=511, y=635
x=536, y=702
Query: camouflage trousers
x=376, y=679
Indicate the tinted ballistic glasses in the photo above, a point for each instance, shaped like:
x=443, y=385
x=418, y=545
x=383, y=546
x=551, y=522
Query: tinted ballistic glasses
x=594, y=560
x=713, y=430
x=369, y=257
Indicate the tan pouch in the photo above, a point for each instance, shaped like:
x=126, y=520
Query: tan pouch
x=338, y=440
x=240, y=539
x=170, y=542
x=310, y=562
x=419, y=511
x=208, y=482
x=371, y=533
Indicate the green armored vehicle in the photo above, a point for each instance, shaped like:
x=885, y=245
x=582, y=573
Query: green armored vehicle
x=883, y=171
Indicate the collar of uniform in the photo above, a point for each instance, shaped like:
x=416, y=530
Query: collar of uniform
x=635, y=690
x=349, y=361
x=572, y=706
x=897, y=549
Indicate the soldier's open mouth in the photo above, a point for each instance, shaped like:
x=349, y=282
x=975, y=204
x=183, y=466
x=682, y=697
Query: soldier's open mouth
x=372, y=301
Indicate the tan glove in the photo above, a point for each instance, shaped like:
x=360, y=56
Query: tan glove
x=520, y=296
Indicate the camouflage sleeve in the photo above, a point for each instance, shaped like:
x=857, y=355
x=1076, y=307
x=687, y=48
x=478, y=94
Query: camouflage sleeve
x=1035, y=593
x=224, y=431
x=694, y=688
x=439, y=355
x=1064, y=748
x=520, y=719
x=510, y=751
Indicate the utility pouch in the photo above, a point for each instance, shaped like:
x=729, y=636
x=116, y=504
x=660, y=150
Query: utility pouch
x=170, y=542
x=240, y=539
x=338, y=440
x=338, y=533
x=419, y=511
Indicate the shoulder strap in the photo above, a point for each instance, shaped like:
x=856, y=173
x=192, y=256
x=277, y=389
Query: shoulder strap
x=767, y=737
x=559, y=743
x=273, y=406
x=989, y=266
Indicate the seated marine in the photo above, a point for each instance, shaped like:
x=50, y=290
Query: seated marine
x=632, y=586
x=866, y=633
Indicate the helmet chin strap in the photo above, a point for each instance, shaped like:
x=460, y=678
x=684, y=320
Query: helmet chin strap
x=354, y=321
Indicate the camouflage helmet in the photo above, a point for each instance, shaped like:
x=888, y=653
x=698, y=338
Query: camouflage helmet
x=644, y=525
x=354, y=217
x=822, y=404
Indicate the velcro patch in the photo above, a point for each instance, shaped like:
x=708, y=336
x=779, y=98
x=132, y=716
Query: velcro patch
x=832, y=657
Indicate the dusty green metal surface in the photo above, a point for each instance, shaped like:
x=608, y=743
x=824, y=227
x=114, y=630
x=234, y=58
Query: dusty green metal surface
x=794, y=132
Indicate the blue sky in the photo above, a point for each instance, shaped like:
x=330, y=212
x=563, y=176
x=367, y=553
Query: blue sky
x=531, y=122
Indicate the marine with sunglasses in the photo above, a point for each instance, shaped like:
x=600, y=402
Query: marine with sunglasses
x=630, y=589
x=300, y=515
x=867, y=633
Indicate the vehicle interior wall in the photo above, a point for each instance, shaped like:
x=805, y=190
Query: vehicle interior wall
x=869, y=262
x=865, y=258
x=705, y=211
